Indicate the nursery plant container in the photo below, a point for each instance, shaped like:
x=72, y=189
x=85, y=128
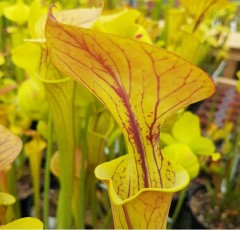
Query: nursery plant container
x=222, y=106
x=207, y=216
x=197, y=222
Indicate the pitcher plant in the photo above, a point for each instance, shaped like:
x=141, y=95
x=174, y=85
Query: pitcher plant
x=10, y=147
x=141, y=85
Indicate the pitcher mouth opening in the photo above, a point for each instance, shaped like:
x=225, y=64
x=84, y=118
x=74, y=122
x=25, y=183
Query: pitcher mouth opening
x=105, y=172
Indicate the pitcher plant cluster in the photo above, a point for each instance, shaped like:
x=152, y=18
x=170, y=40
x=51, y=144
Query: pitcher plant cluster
x=90, y=97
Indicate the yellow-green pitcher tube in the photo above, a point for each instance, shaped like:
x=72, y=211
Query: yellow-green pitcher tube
x=148, y=208
x=155, y=205
x=60, y=96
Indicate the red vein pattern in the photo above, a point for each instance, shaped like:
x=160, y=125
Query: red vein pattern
x=140, y=214
x=10, y=147
x=140, y=84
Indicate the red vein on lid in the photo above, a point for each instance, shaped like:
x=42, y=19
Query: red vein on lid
x=133, y=128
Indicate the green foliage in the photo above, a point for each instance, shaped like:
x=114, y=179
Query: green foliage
x=224, y=171
x=31, y=94
x=17, y=13
x=182, y=154
x=187, y=130
x=183, y=140
x=197, y=34
x=123, y=24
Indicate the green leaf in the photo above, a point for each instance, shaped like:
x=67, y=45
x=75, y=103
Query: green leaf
x=139, y=33
x=37, y=10
x=3, y=4
x=24, y=223
x=183, y=155
x=27, y=56
x=17, y=13
x=186, y=128
x=123, y=24
x=166, y=139
x=117, y=23
x=202, y=146
x=6, y=199
x=31, y=94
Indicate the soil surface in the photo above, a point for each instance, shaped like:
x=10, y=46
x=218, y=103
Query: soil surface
x=212, y=217
x=24, y=186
